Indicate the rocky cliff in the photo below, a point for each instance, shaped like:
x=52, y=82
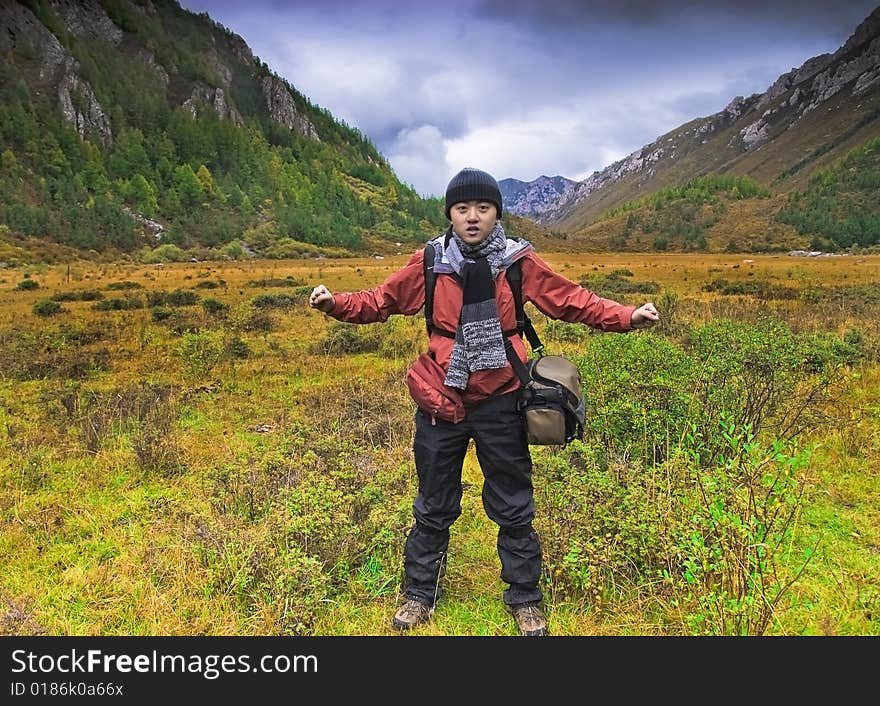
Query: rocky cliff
x=56, y=72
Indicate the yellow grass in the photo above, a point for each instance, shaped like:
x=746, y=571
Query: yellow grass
x=683, y=273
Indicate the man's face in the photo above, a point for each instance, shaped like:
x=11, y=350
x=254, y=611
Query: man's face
x=473, y=220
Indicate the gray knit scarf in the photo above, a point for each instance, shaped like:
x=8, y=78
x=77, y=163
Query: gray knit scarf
x=479, y=342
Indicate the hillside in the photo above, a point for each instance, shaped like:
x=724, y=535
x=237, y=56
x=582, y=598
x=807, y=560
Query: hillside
x=136, y=127
x=809, y=119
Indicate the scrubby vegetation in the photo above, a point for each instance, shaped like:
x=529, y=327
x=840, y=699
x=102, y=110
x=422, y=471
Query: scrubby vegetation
x=237, y=464
x=841, y=207
x=678, y=217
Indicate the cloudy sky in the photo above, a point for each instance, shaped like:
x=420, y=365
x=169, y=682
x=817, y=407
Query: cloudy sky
x=526, y=88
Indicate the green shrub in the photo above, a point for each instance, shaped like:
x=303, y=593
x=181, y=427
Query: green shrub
x=598, y=529
x=182, y=297
x=342, y=338
x=161, y=314
x=688, y=485
x=710, y=550
x=27, y=285
x=288, y=281
x=119, y=304
x=47, y=307
x=319, y=512
x=773, y=379
x=615, y=284
x=259, y=320
x=638, y=391
x=123, y=286
x=200, y=352
x=215, y=307
x=81, y=295
x=282, y=300
x=302, y=292
x=645, y=393
x=163, y=253
x=176, y=297
x=562, y=331
x=238, y=348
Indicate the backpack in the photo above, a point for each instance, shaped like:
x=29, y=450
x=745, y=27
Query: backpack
x=551, y=396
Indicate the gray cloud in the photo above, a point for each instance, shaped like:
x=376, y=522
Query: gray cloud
x=823, y=17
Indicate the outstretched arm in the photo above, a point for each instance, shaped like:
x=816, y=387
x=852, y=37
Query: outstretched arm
x=645, y=316
x=560, y=298
x=403, y=292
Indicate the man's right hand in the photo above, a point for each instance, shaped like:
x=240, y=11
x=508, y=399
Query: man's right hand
x=322, y=299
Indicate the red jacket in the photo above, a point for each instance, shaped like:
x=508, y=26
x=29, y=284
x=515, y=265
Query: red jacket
x=554, y=295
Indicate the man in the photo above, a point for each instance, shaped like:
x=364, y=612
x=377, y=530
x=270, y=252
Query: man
x=473, y=314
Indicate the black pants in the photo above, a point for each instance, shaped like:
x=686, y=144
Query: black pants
x=498, y=431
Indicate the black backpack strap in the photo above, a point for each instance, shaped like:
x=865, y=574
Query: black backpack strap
x=518, y=366
x=523, y=322
x=430, y=281
x=430, y=284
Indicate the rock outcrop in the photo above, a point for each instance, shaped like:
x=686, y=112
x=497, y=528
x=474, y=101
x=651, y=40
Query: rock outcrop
x=533, y=197
x=213, y=98
x=58, y=72
x=282, y=108
x=80, y=107
x=86, y=18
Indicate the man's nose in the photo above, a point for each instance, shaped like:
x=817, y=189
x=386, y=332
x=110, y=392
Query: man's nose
x=472, y=214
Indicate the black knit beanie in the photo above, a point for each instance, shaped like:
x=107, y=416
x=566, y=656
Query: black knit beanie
x=472, y=185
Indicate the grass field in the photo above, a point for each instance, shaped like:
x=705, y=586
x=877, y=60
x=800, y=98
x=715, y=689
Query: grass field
x=204, y=454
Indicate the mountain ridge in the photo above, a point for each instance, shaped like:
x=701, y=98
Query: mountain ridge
x=774, y=137
x=533, y=197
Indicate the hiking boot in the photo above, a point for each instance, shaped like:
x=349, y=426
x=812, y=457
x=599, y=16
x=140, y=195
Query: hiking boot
x=411, y=613
x=529, y=619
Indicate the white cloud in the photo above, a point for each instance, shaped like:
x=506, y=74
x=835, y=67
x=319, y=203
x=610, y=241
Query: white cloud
x=523, y=89
x=418, y=157
x=524, y=148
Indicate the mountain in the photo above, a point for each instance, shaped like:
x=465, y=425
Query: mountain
x=532, y=198
x=138, y=127
x=805, y=122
